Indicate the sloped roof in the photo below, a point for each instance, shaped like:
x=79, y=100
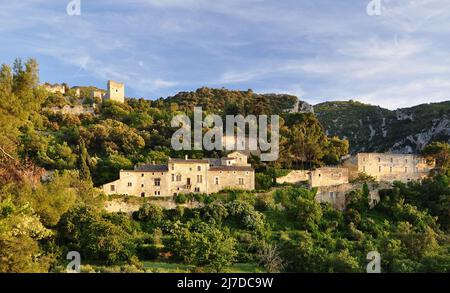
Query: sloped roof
x=189, y=161
x=151, y=168
x=231, y=168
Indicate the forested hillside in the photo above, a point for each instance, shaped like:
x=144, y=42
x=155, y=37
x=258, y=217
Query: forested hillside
x=374, y=129
x=274, y=229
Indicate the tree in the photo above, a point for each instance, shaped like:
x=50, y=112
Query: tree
x=308, y=213
x=214, y=212
x=83, y=162
x=245, y=215
x=270, y=259
x=439, y=151
x=306, y=141
x=84, y=229
x=20, y=233
x=207, y=247
x=52, y=200
x=151, y=213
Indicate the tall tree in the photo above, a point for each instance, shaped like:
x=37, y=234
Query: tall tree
x=83, y=162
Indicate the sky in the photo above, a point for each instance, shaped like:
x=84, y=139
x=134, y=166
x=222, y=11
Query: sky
x=318, y=50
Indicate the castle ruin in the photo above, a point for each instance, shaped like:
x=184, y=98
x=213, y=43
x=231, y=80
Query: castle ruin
x=115, y=92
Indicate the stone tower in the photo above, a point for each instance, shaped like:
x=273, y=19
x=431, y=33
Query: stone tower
x=115, y=91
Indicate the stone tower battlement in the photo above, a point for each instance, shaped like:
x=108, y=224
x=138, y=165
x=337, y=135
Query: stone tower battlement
x=115, y=91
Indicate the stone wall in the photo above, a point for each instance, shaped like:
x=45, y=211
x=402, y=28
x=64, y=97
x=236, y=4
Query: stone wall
x=96, y=95
x=56, y=88
x=232, y=179
x=76, y=110
x=138, y=183
x=188, y=176
x=328, y=176
x=337, y=195
x=294, y=177
x=393, y=167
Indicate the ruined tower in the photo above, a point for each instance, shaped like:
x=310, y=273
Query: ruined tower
x=115, y=91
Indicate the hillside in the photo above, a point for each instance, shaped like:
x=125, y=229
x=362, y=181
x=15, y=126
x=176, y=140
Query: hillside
x=224, y=101
x=372, y=128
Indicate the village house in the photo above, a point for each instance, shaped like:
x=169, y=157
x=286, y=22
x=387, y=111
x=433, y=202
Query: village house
x=390, y=167
x=332, y=184
x=180, y=176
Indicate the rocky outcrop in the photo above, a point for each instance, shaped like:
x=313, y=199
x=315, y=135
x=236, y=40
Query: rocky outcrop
x=374, y=129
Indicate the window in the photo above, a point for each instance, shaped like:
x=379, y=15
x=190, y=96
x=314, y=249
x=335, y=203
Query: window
x=142, y=185
x=197, y=189
x=392, y=160
x=379, y=169
x=172, y=167
x=390, y=169
x=406, y=169
x=142, y=175
x=157, y=192
x=113, y=188
x=199, y=168
x=130, y=184
x=332, y=195
x=216, y=180
x=199, y=179
x=178, y=177
x=241, y=181
x=364, y=168
x=173, y=177
x=157, y=182
x=406, y=160
x=143, y=194
x=379, y=160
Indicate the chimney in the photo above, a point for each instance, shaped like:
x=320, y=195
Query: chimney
x=186, y=157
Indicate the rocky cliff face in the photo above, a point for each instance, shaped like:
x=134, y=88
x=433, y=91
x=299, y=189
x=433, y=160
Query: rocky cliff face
x=372, y=128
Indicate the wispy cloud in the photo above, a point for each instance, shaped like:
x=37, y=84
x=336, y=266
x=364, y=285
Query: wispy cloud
x=318, y=50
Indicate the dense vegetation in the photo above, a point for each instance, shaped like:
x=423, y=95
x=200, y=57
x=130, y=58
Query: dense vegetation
x=277, y=229
x=374, y=129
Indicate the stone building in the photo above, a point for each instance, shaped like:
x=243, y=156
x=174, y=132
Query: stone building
x=115, y=91
x=328, y=176
x=97, y=95
x=336, y=195
x=185, y=176
x=77, y=91
x=55, y=88
x=393, y=167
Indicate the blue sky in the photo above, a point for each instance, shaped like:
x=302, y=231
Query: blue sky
x=318, y=50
